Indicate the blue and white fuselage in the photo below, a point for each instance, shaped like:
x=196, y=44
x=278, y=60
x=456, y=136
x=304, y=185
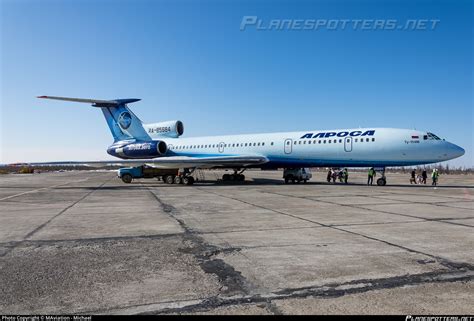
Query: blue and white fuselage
x=361, y=147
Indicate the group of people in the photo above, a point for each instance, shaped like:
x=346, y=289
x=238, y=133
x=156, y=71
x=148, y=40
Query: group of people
x=342, y=175
x=421, y=178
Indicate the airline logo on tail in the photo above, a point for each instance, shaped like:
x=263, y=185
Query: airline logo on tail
x=125, y=120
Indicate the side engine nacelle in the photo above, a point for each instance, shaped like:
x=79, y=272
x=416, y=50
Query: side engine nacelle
x=149, y=149
x=172, y=129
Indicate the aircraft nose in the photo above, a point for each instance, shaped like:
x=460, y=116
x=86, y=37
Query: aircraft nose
x=456, y=151
x=459, y=151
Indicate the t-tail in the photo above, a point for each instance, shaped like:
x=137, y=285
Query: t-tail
x=122, y=122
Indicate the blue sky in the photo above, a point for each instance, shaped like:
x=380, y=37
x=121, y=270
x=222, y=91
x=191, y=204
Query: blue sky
x=189, y=60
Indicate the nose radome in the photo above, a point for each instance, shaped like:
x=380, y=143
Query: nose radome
x=461, y=150
x=457, y=151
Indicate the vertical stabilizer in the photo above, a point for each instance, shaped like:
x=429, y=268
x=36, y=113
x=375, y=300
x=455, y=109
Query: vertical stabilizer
x=122, y=122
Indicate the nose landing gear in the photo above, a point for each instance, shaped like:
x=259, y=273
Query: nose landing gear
x=382, y=181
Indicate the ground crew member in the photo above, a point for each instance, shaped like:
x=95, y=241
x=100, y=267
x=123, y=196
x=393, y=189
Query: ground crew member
x=328, y=178
x=434, y=177
x=345, y=174
x=372, y=174
x=424, y=176
x=413, y=177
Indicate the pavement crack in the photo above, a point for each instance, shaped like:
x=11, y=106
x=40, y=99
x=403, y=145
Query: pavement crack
x=324, y=291
x=232, y=281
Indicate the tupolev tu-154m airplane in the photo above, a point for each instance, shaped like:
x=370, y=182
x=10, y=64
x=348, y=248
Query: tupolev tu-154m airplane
x=159, y=145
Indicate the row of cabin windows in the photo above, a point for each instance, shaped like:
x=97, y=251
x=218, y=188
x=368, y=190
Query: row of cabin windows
x=329, y=141
x=299, y=142
x=217, y=145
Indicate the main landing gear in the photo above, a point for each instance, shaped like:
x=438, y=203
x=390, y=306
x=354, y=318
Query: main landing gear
x=235, y=177
x=382, y=181
x=184, y=177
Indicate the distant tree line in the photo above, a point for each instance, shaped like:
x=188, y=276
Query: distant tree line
x=23, y=169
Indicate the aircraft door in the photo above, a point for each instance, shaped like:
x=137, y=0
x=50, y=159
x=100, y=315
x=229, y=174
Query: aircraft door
x=348, y=144
x=288, y=146
x=221, y=147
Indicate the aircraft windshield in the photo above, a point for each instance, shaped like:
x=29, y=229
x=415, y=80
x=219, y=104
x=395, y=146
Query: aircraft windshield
x=432, y=136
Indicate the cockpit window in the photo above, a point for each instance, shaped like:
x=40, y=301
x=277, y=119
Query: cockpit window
x=433, y=136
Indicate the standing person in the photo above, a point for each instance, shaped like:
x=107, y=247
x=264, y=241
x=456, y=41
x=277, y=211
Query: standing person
x=340, y=176
x=334, y=175
x=424, y=176
x=328, y=178
x=434, y=177
x=370, y=179
x=345, y=175
x=413, y=177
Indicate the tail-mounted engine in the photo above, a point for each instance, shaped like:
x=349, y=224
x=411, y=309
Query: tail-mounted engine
x=150, y=149
x=172, y=129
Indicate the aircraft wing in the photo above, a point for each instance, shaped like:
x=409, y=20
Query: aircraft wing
x=167, y=162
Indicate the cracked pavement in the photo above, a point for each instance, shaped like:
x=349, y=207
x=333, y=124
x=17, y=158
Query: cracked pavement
x=84, y=242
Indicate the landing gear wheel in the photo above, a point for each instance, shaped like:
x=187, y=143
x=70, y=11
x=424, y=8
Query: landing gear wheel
x=241, y=177
x=381, y=181
x=127, y=178
x=287, y=180
x=232, y=178
x=178, y=180
x=225, y=177
x=169, y=179
x=305, y=180
x=188, y=180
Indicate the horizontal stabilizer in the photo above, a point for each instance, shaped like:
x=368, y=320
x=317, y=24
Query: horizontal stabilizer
x=95, y=102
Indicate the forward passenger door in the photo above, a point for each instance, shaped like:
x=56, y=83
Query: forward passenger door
x=288, y=146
